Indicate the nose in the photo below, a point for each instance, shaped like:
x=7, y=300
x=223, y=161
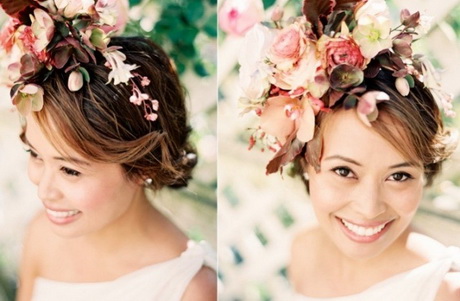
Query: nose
x=45, y=180
x=368, y=200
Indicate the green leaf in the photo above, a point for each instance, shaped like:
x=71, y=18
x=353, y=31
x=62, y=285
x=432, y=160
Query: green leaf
x=210, y=27
x=212, y=2
x=268, y=3
x=134, y=2
x=410, y=80
x=193, y=10
x=350, y=101
x=200, y=69
x=85, y=74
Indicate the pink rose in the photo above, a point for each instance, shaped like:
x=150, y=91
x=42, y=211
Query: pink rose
x=236, y=17
x=337, y=51
x=288, y=46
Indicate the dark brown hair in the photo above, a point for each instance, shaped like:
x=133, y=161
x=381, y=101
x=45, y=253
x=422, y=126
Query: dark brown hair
x=412, y=124
x=101, y=124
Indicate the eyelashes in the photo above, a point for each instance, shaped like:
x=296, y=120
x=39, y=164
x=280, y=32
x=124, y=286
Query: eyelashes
x=65, y=170
x=347, y=173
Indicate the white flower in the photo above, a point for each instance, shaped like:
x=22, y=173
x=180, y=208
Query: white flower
x=373, y=8
x=253, y=75
x=121, y=72
x=372, y=35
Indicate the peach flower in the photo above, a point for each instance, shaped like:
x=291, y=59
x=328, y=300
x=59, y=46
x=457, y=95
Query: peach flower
x=283, y=115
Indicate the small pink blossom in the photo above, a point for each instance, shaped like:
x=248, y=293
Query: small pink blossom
x=75, y=81
x=402, y=86
x=138, y=97
x=236, y=17
x=145, y=81
x=151, y=116
x=367, y=106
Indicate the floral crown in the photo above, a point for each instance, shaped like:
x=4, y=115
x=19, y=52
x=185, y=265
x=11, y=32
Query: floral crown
x=292, y=70
x=44, y=35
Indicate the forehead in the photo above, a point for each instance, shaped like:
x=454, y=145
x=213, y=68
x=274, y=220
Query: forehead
x=345, y=134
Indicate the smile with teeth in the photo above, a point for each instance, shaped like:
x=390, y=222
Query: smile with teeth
x=61, y=214
x=363, y=231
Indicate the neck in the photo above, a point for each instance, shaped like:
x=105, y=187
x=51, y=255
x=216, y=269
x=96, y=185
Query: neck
x=131, y=227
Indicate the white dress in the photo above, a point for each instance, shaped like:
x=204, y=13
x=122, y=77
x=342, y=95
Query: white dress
x=419, y=284
x=165, y=281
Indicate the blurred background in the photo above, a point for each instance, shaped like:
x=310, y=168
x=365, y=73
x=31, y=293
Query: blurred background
x=187, y=31
x=258, y=215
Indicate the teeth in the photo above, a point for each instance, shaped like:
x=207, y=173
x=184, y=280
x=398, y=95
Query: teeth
x=61, y=214
x=363, y=231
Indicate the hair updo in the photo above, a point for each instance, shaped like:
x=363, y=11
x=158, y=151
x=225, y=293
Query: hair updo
x=101, y=124
x=412, y=124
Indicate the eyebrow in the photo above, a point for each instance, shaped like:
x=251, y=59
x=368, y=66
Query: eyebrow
x=349, y=160
x=65, y=159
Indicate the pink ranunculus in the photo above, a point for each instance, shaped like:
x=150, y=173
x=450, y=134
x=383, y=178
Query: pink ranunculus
x=283, y=115
x=288, y=46
x=302, y=75
x=236, y=17
x=337, y=51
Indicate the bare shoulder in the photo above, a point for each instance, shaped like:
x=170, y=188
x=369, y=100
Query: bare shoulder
x=450, y=288
x=202, y=287
x=424, y=247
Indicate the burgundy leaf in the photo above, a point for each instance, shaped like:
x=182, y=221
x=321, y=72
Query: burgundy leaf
x=19, y=9
x=286, y=154
x=316, y=11
x=30, y=65
x=61, y=56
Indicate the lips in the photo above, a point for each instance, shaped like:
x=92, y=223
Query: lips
x=365, y=232
x=61, y=214
x=62, y=217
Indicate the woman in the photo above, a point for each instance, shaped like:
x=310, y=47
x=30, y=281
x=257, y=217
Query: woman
x=105, y=121
x=340, y=92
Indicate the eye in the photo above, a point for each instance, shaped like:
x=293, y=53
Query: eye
x=32, y=154
x=400, y=177
x=344, y=172
x=70, y=172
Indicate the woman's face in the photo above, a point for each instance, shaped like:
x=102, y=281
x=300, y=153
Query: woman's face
x=366, y=192
x=80, y=197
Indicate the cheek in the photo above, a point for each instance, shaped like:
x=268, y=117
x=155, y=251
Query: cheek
x=34, y=172
x=324, y=196
x=407, y=201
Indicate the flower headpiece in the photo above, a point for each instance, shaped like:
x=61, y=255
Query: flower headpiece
x=44, y=35
x=291, y=71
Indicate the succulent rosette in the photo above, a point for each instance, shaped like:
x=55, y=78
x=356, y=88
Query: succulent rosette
x=64, y=35
x=291, y=70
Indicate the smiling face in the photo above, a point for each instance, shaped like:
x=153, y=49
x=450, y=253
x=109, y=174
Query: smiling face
x=366, y=192
x=80, y=197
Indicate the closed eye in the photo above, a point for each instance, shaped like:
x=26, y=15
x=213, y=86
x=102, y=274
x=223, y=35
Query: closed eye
x=400, y=177
x=32, y=154
x=70, y=172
